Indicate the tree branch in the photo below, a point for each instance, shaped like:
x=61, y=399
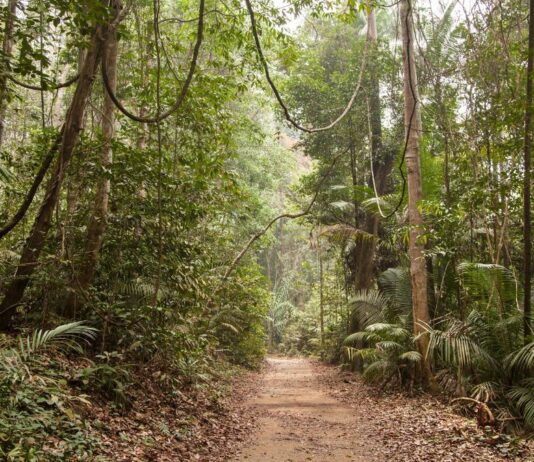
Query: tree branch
x=33, y=190
x=291, y=216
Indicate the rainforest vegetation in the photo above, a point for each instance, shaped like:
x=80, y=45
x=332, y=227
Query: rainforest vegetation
x=187, y=185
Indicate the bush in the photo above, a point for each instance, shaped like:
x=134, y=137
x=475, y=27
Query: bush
x=37, y=415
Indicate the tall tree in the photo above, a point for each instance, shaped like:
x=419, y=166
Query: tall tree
x=380, y=164
x=70, y=135
x=7, y=49
x=416, y=248
x=98, y=222
x=527, y=224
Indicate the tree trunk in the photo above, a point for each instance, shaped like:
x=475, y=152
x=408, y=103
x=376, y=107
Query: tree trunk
x=7, y=49
x=381, y=163
x=73, y=125
x=97, y=226
x=321, y=292
x=412, y=120
x=528, y=330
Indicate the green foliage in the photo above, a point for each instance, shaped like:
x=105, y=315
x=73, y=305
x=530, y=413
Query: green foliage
x=187, y=194
x=61, y=336
x=368, y=306
x=388, y=354
x=489, y=370
x=301, y=336
x=522, y=398
x=36, y=406
x=107, y=377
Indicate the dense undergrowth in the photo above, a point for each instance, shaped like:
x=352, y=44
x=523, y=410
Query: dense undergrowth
x=55, y=401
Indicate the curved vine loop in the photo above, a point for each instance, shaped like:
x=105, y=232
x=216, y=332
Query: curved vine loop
x=53, y=87
x=277, y=93
x=179, y=100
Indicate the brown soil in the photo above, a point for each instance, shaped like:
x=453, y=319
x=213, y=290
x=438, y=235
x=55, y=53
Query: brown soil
x=298, y=421
x=306, y=411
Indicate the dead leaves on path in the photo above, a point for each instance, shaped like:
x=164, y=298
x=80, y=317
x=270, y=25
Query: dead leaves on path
x=197, y=427
x=420, y=428
x=193, y=427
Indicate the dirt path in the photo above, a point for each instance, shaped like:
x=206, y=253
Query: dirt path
x=299, y=421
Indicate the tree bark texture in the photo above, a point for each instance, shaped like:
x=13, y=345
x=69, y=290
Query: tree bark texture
x=72, y=128
x=412, y=120
x=7, y=49
x=98, y=223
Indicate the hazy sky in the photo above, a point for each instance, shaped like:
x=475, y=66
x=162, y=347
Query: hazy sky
x=436, y=6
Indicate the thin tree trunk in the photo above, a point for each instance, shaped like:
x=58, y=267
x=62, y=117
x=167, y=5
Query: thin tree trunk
x=374, y=88
x=412, y=119
x=321, y=292
x=73, y=125
x=7, y=49
x=381, y=164
x=527, y=309
x=145, y=56
x=98, y=223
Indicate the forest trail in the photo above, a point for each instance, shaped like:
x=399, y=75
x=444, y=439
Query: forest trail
x=298, y=421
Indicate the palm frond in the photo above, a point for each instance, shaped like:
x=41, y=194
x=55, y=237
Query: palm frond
x=341, y=233
x=521, y=361
x=522, y=397
x=485, y=391
x=385, y=203
x=368, y=306
x=396, y=286
x=390, y=330
x=378, y=370
x=456, y=347
x=362, y=336
x=389, y=345
x=367, y=354
x=488, y=283
x=63, y=335
x=411, y=356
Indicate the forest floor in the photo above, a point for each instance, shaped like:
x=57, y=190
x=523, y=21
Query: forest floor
x=305, y=411
x=293, y=410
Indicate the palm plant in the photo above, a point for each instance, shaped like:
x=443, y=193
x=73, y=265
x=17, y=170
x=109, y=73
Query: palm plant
x=35, y=403
x=385, y=344
x=485, y=350
x=280, y=310
x=63, y=336
x=390, y=353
